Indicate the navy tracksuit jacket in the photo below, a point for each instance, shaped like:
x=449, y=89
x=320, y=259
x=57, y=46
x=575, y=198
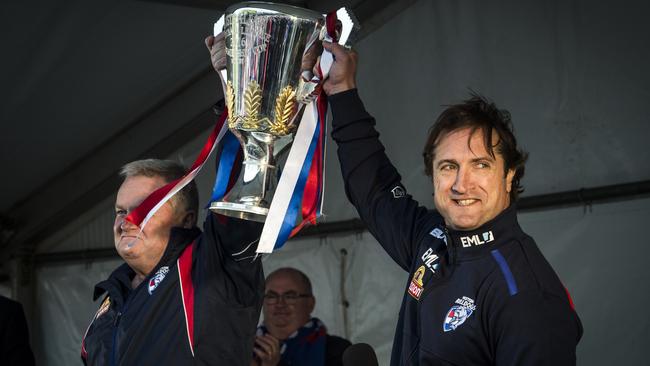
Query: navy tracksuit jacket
x=199, y=306
x=481, y=297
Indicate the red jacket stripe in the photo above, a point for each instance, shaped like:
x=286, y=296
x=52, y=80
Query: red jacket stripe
x=187, y=291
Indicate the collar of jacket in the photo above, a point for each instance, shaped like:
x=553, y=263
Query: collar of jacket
x=478, y=242
x=118, y=284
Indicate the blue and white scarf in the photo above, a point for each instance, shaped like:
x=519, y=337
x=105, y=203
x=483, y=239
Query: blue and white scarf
x=305, y=347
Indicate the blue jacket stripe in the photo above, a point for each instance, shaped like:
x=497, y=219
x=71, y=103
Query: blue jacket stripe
x=505, y=269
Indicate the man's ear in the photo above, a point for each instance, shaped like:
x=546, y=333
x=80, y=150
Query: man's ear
x=189, y=220
x=509, y=177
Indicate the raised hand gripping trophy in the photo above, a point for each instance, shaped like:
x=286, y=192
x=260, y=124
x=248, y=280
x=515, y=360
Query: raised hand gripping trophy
x=276, y=112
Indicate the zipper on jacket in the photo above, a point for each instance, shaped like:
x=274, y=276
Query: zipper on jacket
x=116, y=323
x=451, y=248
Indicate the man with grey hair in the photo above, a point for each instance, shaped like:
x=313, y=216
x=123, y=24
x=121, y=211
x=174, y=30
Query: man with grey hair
x=182, y=297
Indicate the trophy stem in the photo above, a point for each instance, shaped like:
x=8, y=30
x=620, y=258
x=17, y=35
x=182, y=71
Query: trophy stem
x=250, y=197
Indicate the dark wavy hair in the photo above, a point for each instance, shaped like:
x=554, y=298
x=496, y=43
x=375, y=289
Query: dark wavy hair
x=480, y=113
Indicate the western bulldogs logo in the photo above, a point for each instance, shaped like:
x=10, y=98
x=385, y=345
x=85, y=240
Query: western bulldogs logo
x=456, y=316
x=157, y=278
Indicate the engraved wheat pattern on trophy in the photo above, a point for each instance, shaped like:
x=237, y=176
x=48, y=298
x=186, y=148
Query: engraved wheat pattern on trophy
x=285, y=108
x=252, y=106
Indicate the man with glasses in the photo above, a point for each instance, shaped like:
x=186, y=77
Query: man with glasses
x=289, y=334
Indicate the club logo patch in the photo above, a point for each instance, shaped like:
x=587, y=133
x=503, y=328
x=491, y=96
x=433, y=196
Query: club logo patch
x=157, y=278
x=459, y=312
x=417, y=286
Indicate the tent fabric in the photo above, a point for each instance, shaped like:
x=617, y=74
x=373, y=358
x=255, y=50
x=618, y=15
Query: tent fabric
x=65, y=308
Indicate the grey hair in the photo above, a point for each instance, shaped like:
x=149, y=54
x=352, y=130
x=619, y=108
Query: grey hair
x=169, y=170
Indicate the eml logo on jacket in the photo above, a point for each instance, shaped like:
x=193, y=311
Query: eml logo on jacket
x=458, y=313
x=157, y=278
x=429, y=258
x=476, y=239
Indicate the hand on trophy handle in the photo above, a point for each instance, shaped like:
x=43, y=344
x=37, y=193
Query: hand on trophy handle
x=217, y=47
x=310, y=57
x=342, y=74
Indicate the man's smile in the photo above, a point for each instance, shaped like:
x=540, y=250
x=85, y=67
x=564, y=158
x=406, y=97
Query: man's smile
x=465, y=202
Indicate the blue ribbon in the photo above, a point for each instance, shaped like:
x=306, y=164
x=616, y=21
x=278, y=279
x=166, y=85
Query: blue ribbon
x=321, y=191
x=224, y=167
x=294, y=204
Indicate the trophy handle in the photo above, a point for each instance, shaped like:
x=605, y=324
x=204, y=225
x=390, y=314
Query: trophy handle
x=223, y=75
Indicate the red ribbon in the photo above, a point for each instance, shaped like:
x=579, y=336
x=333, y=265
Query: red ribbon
x=137, y=215
x=330, y=25
x=314, y=185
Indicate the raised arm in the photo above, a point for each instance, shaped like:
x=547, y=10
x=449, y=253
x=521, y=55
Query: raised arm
x=372, y=183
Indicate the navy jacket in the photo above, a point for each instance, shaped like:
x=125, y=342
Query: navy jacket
x=199, y=306
x=481, y=297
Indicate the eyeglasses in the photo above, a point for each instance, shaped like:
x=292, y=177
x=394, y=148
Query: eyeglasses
x=289, y=298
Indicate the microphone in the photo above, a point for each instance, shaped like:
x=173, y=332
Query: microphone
x=360, y=354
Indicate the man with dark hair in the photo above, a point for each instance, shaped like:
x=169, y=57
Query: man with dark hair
x=477, y=113
x=182, y=297
x=480, y=291
x=289, y=334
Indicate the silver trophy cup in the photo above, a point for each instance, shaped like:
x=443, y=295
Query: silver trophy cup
x=266, y=90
